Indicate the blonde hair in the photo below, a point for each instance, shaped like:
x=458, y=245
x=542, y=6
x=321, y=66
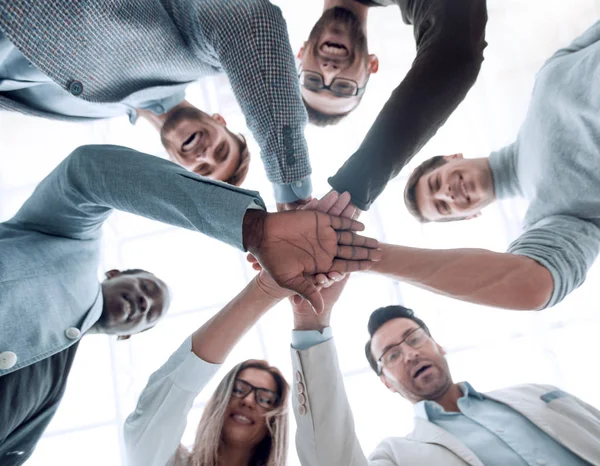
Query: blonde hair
x=271, y=451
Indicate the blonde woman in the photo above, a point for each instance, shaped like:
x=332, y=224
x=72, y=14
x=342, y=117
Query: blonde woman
x=245, y=421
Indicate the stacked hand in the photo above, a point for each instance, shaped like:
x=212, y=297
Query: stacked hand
x=299, y=248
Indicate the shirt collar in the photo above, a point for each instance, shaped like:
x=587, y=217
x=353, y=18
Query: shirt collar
x=424, y=409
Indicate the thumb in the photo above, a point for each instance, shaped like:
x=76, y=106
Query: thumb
x=308, y=291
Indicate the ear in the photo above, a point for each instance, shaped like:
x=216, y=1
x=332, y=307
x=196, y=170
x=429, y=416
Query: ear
x=123, y=337
x=373, y=64
x=453, y=157
x=388, y=385
x=441, y=349
x=478, y=214
x=219, y=118
x=112, y=274
x=300, y=52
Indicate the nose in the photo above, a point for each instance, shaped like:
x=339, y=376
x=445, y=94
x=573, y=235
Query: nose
x=250, y=399
x=143, y=303
x=409, y=353
x=445, y=194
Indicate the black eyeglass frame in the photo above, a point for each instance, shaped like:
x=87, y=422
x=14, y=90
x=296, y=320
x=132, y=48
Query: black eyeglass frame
x=359, y=90
x=397, y=345
x=257, y=391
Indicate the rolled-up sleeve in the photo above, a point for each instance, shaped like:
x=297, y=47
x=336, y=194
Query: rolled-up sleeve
x=567, y=246
x=153, y=431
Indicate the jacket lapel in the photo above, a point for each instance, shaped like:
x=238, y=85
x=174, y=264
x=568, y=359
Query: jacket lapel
x=428, y=432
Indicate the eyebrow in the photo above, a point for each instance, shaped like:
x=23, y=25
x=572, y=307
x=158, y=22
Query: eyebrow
x=406, y=332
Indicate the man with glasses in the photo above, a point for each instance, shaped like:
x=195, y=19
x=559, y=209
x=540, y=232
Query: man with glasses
x=336, y=65
x=454, y=424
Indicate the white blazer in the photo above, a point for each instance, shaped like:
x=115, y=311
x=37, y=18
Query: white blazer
x=325, y=435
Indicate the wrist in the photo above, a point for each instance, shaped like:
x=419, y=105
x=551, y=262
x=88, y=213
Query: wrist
x=253, y=228
x=312, y=322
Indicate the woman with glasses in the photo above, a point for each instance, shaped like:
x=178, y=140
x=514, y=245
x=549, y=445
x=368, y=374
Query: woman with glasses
x=245, y=422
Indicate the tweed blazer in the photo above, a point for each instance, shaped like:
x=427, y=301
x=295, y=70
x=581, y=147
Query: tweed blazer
x=49, y=251
x=105, y=51
x=325, y=434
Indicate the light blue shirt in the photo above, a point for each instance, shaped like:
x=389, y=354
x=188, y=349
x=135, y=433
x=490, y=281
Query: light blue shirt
x=496, y=433
x=25, y=83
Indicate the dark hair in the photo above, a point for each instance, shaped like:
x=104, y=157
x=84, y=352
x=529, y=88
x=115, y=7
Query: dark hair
x=410, y=195
x=135, y=271
x=381, y=316
x=321, y=119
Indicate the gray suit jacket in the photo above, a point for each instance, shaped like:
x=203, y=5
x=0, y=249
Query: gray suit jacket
x=325, y=435
x=118, y=48
x=49, y=251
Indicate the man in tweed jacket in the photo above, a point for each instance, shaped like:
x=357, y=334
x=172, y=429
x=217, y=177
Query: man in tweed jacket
x=96, y=59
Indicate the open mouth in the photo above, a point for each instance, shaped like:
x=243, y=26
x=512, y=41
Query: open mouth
x=421, y=370
x=241, y=419
x=191, y=141
x=334, y=49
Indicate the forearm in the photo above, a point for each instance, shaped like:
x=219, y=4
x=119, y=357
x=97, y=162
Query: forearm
x=474, y=275
x=79, y=195
x=251, y=42
x=216, y=338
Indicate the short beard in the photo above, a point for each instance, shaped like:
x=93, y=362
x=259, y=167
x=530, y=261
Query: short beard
x=343, y=17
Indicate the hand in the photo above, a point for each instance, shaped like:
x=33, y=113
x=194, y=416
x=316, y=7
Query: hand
x=294, y=246
x=266, y=283
x=293, y=205
x=306, y=319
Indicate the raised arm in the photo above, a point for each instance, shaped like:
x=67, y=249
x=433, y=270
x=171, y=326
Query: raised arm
x=450, y=38
x=250, y=42
x=77, y=197
x=478, y=276
x=153, y=431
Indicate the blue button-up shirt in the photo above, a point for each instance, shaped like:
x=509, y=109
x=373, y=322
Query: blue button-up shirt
x=24, y=82
x=496, y=433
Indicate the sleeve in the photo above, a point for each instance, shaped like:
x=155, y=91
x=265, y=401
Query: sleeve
x=250, y=42
x=154, y=430
x=79, y=195
x=590, y=36
x=567, y=246
x=325, y=433
x=450, y=38
x=304, y=339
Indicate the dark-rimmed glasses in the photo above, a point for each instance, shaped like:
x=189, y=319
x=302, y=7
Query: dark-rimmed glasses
x=416, y=338
x=268, y=399
x=340, y=87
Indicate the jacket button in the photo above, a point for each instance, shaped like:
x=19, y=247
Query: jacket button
x=76, y=88
x=298, y=376
x=159, y=109
x=301, y=399
x=7, y=360
x=73, y=333
x=300, y=387
x=291, y=160
x=302, y=410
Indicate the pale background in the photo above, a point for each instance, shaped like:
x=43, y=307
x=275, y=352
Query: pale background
x=490, y=348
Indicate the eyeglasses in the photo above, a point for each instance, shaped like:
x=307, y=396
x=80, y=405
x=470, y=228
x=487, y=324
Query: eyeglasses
x=340, y=87
x=266, y=398
x=393, y=355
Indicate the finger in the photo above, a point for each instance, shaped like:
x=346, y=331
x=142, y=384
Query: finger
x=250, y=258
x=339, y=223
x=349, y=212
x=349, y=238
x=327, y=201
x=256, y=266
x=358, y=253
x=311, y=205
x=349, y=266
x=308, y=291
x=336, y=276
x=297, y=300
x=321, y=278
x=341, y=203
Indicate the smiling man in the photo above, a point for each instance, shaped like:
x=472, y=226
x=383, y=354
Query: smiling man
x=137, y=59
x=455, y=425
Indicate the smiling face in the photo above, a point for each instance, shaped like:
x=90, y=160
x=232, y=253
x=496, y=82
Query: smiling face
x=132, y=303
x=336, y=48
x=420, y=374
x=201, y=143
x=458, y=189
x=245, y=422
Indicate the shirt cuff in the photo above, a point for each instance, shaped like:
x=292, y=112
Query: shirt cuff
x=292, y=192
x=304, y=339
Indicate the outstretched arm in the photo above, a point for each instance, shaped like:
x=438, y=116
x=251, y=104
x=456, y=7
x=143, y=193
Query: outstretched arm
x=450, y=42
x=153, y=431
x=250, y=42
x=478, y=276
